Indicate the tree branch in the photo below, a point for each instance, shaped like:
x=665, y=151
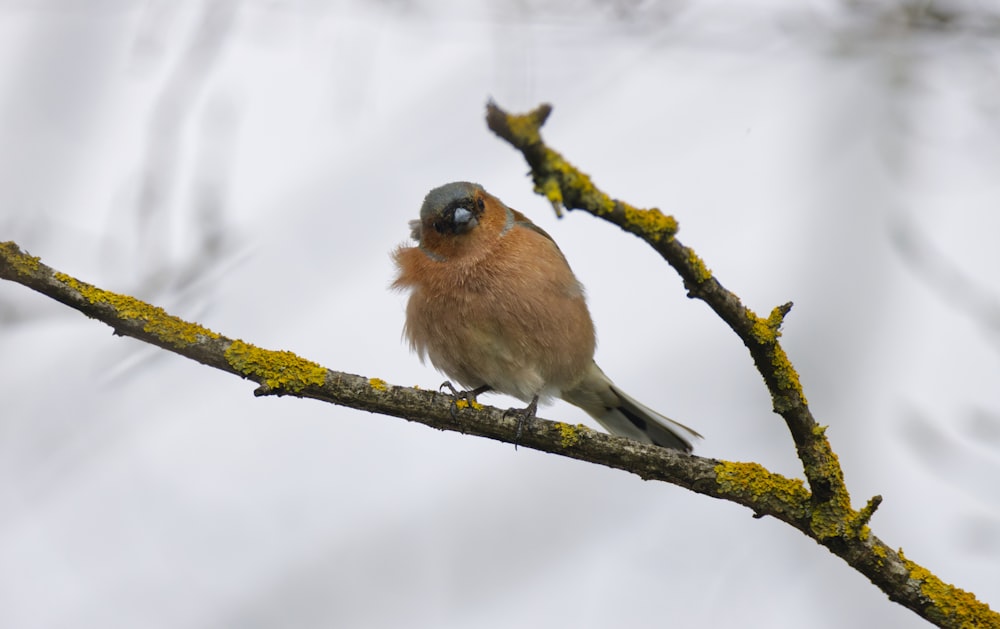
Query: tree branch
x=285, y=373
x=824, y=513
x=832, y=520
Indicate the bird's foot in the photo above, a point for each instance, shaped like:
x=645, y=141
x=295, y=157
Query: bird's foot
x=469, y=396
x=524, y=415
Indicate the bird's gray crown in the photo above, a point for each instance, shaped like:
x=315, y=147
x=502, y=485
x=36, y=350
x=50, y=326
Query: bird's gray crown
x=449, y=194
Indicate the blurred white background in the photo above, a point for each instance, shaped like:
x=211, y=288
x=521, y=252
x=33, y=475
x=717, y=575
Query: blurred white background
x=250, y=165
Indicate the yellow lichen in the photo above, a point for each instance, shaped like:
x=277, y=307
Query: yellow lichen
x=766, y=332
x=788, y=378
x=752, y=480
x=830, y=466
x=701, y=272
x=156, y=321
x=859, y=524
x=561, y=175
x=829, y=519
x=23, y=263
x=551, y=191
x=950, y=606
x=835, y=517
x=378, y=384
x=561, y=180
x=570, y=435
x=775, y=319
x=652, y=224
x=461, y=403
x=526, y=128
x=465, y=399
x=278, y=370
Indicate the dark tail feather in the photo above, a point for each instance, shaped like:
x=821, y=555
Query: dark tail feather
x=660, y=430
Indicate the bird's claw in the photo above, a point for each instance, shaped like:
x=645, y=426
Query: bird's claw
x=469, y=396
x=523, y=415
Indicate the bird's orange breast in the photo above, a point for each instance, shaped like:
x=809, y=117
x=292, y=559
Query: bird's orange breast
x=508, y=306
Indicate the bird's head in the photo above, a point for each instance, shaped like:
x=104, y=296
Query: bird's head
x=454, y=216
x=453, y=208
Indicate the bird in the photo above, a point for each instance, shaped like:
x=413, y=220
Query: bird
x=494, y=306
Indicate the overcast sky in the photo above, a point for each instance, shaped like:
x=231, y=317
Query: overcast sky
x=250, y=165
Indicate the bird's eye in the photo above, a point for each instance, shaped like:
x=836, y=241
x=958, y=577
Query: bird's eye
x=459, y=219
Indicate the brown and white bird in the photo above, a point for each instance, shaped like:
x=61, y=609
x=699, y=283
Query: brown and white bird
x=495, y=306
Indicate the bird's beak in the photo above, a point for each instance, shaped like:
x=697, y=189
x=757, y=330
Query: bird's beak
x=464, y=220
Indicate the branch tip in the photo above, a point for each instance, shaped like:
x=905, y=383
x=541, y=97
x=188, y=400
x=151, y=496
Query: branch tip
x=263, y=391
x=865, y=515
x=521, y=130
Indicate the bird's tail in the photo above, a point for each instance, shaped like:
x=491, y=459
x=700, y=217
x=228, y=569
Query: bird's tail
x=623, y=415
